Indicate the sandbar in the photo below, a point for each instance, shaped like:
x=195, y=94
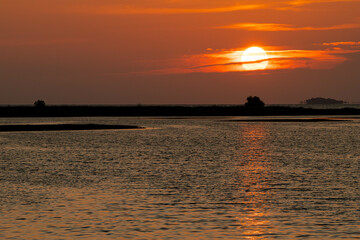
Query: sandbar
x=290, y=120
x=63, y=127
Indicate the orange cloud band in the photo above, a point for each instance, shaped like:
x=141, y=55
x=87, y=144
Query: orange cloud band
x=342, y=44
x=119, y=9
x=272, y=27
x=230, y=61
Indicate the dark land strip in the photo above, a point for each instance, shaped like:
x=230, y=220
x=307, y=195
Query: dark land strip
x=157, y=111
x=62, y=127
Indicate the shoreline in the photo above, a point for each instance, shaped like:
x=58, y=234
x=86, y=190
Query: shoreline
x=156, y=111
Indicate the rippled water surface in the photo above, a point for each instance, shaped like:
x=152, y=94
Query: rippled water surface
x=181, y=179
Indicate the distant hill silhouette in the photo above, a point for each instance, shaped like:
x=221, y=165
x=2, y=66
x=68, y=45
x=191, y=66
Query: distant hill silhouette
x=320, y=100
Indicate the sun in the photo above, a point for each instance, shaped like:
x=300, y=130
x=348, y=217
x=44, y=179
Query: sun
x=256, y=55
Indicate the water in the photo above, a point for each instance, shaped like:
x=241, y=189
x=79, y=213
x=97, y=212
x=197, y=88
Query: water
x=181, y=179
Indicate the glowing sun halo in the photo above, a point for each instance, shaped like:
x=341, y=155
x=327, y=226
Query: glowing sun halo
x=256, y=55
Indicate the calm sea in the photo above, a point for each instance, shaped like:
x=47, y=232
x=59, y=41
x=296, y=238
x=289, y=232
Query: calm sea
x=181, y=179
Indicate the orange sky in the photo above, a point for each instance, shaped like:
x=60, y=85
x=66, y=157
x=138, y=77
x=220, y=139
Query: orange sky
x=177, y=52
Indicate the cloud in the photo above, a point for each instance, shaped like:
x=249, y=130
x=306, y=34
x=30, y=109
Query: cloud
x=185, y=6
x=128, y=9
x=299, y=4
x=230, y=61
x=250, y=62
x=285, y=59
x=342, y=44
x=306, y=2
x=275, y=27
x=154, y=6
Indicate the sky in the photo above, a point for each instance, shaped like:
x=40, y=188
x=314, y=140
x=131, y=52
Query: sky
x=176, y=51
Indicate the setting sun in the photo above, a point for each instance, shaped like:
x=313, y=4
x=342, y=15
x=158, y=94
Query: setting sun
x=256, y=55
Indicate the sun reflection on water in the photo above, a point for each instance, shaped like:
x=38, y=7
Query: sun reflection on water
x=255, y=169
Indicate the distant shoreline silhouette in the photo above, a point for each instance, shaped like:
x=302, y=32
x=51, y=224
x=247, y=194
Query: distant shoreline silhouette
x=166, y=110
x=319, y=100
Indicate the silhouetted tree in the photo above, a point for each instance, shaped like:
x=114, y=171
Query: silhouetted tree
x=39, y=103
x=254, y=102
